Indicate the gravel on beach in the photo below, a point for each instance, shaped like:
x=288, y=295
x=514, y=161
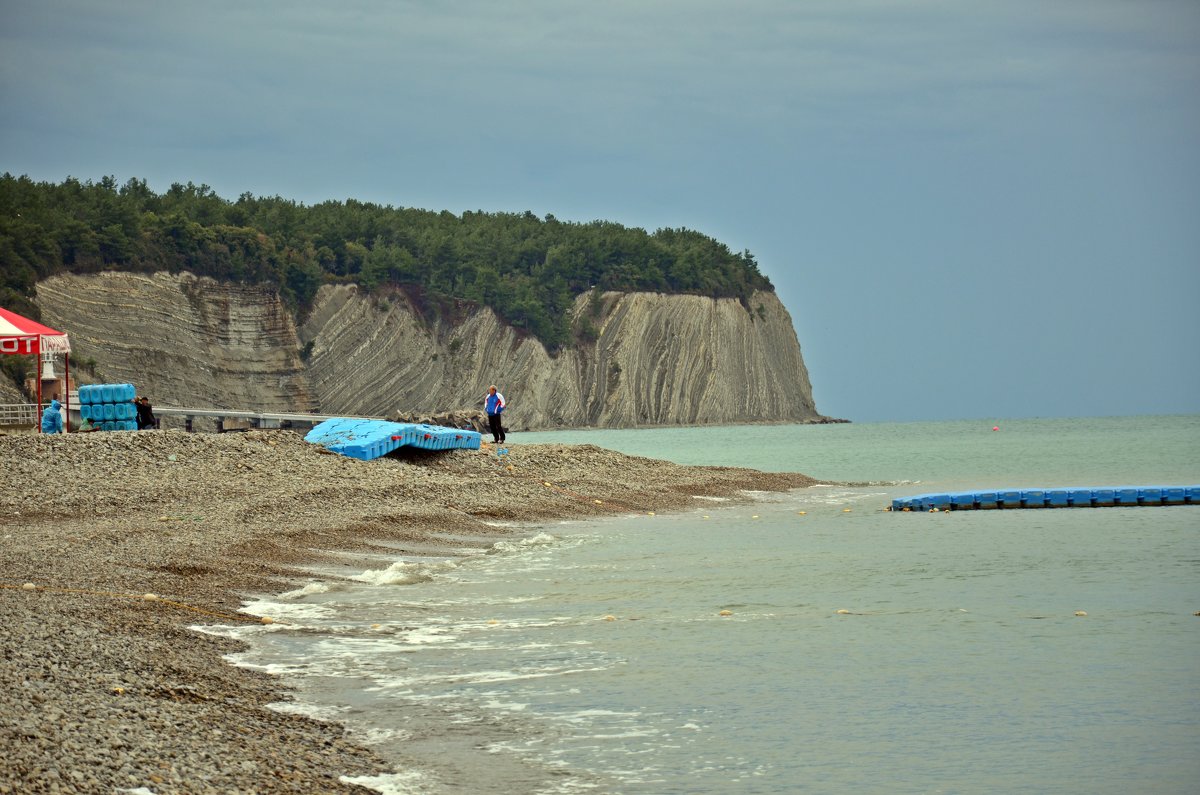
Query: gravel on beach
x=115, y=544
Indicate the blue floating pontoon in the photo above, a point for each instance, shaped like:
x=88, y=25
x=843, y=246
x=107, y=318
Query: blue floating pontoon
x=1051, y=498
x=368, y=439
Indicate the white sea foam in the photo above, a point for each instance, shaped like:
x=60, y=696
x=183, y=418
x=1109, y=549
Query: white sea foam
x=236, y=631
x=292, y=612
x=506, y=706
x=316, y=586
x=408, y=782
x=319, y=712
x=625, y=734
x=511, y=600
x=534, y=541
x=357, y=651
x=429, y=634
x=242, y=660
x=587, y=715
x=404, y=572
x=420, y=685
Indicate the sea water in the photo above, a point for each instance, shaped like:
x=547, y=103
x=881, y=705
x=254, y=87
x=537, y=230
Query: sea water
x=799, y=642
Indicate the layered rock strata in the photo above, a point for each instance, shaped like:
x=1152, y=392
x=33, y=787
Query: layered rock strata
x=641, y=359
x=183, y=340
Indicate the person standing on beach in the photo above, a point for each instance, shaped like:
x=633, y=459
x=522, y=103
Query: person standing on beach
x=494, y=404
x=145, y=414
x=52, y=421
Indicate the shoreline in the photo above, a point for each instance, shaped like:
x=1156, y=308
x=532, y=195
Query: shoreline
x=107, y=691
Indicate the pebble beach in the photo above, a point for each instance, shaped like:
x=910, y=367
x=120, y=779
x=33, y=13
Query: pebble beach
x=116, y=545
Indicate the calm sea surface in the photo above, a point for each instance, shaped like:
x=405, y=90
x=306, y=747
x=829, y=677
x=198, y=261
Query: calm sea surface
x=593, y=656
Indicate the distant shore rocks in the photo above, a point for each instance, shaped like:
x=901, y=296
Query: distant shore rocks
x=476, y=419
x=471, y=419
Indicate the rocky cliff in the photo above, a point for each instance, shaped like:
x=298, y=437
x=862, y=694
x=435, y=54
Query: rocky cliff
x=644, y=359
x=183, y=340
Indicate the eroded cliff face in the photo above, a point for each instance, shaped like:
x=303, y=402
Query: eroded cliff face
x=183, y=340
x=652, y=359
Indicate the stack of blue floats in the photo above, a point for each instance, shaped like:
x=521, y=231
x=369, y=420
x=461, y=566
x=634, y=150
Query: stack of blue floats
x=1051, y=498
x=368, y=439
x=109, y=406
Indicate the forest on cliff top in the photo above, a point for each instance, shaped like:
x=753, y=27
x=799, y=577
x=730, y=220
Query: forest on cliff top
x=528, y=269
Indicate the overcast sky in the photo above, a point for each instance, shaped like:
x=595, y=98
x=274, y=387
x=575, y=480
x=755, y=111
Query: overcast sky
x=972, y=209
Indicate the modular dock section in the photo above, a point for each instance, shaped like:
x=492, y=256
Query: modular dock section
x=1104, y=497
x=368, y=439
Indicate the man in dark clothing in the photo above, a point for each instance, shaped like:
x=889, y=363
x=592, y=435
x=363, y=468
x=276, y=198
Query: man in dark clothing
x=145, y=414
x=493, y=404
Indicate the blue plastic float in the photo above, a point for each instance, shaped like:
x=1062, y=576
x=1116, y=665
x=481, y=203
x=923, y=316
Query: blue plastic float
x=1051, y=498
x=108, y=406
x=368, y=439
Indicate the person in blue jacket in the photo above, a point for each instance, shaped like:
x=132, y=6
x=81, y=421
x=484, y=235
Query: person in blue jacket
x=52, y=421
x=493, y=404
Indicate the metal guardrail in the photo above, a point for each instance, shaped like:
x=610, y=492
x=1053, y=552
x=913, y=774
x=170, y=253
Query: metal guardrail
x=257, y=419
x=27, y=414
x=18, y=414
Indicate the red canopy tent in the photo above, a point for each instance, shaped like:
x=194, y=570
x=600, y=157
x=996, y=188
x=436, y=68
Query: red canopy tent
x=21, y=336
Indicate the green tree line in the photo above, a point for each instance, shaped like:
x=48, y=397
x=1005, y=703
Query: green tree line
x=528, y=269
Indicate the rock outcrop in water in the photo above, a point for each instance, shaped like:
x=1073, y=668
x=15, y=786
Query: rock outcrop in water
x=646, y=359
